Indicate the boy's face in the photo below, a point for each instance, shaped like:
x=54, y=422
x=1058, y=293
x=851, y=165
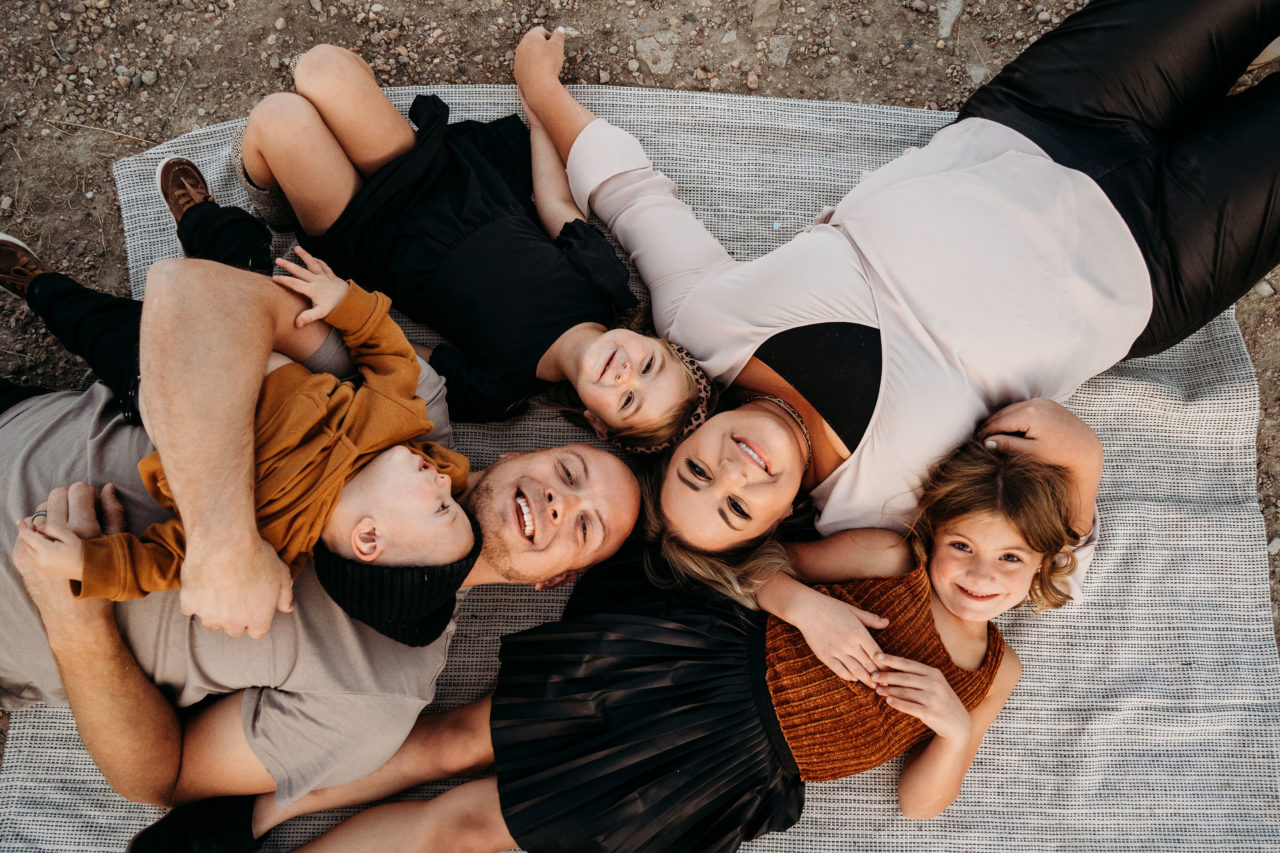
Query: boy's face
x=414, y=515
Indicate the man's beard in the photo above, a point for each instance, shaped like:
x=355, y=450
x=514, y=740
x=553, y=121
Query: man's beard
x=494, y=550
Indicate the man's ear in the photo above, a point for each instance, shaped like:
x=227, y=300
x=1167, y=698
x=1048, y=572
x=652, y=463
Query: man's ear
x=559, y=580
x=598, y=426
x=366, y=544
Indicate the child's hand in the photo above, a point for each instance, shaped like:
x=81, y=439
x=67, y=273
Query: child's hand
x=837, y=634
x=921, y=691
x=316, y=282
x=51, y=551
x=539, y=57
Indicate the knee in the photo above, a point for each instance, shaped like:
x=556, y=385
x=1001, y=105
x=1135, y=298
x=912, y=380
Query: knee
x=326, y=70
x=280, y=113
x=163, y=278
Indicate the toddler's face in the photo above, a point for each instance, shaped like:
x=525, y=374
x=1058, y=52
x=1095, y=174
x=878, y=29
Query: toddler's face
x=980, y=567
x=412, y=504
x=628, y=379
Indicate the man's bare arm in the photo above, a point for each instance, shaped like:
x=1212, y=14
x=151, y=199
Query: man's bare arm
x=207, y=330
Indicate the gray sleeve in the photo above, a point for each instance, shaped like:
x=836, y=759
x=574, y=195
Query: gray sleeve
x=431, y=388
x=333, y=357
x=315, y=740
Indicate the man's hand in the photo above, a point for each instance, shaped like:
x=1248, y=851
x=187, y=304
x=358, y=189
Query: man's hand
x=235, y=586
x=315, y=282
x=1043, y=429
x=539, y=57
x=837, y=634
x=72, y=514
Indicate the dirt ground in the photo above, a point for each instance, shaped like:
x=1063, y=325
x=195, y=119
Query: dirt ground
x=86, y=82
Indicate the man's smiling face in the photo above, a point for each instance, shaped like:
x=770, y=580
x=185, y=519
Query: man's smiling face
x=549, y=512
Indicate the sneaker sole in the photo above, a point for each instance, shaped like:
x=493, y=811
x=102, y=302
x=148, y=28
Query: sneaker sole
x=13, y=239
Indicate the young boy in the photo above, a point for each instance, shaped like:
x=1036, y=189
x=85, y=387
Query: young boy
x=336, y=462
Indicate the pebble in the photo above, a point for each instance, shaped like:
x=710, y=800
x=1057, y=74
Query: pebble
x=764, y=14
x=149, y=77
x=632, y=65
x=780, y=49
x=89, y=195
x=920, y=5
x=274, y=60
x=604, y=77
x=6, y=202
x=1044, y=17
x=660, y=60
x=867, y=20
x=377, y=7
x=316, y=5
x=1273, y=547
x=753, y=80
x=279, y=23
x=1263, y=289
x=729, y=37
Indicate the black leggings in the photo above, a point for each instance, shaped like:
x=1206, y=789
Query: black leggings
x=1134, y=94
x=103, y=329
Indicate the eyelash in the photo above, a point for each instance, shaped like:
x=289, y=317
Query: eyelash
x=444, y=507
x=738, y=509
x=565, y=474
x=696, y=470
x=647, y=367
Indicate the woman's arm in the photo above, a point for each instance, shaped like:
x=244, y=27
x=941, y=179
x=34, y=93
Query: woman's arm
x=932, y=778
x=539, y=58
x=551, y=192
x=865, y=553
x=1053, y=434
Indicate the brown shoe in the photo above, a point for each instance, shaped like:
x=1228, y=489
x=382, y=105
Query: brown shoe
x=181, y=186
x=18, y=265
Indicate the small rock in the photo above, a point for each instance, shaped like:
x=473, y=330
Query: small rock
x=920, y=5
x=274, y=60
x=1263, y=289
x=1044, y=17
x=941, y=44
x=604, y=76
x=632, y=65
x=316, y=5
x=149, y=77
x=1273, y=547
x=377, y=7
x=780, y=49
x=867, y=20
x=886, y=60
x=136, y=81
x=89, y=195
x=753, y=80
x=764, y=14
x=729, y=37
x=6, y=202
x=279, y=23
x=1019, y=35
x=659, y=60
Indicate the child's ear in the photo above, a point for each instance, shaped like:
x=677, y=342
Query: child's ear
x=365, y=542
x=600, y=428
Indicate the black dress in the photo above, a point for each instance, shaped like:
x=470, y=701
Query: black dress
x=641, y=722
x=448, y=231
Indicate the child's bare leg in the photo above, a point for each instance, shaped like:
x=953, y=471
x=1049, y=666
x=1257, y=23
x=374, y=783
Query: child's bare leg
x=440, y=746
x=287, y=144
x=467, y=819
x=343, y=89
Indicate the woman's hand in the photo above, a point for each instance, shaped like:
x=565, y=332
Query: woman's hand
x=837, y=634
x=539, y=57
x=315, y=282
x=1052, y=434
x=921, y=691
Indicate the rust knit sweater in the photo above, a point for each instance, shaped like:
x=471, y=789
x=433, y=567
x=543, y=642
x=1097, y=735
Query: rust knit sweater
x=836, y=728
x=312, y=433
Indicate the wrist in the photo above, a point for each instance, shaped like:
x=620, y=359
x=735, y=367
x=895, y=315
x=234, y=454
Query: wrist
x=79, y=628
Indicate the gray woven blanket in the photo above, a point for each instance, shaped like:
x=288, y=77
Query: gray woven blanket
x=1148, y=714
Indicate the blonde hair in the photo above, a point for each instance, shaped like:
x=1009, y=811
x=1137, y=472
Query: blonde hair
x=737, y=573
x=563, y=398
x=1033, y=496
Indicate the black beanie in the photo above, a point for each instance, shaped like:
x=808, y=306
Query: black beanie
x=409, y=604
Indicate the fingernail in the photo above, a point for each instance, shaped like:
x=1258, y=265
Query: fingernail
x=880, y=656
x=990, y=443
x=559, y=29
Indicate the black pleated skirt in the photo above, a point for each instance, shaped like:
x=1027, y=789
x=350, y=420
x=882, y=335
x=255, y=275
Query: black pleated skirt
x=641, y=722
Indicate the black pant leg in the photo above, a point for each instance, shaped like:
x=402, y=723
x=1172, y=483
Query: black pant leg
x=1210, y=213
x=99, y=327
x=11, y=394
x=1119, y=76
x=227, y=235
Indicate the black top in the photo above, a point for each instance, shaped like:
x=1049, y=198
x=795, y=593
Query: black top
x=836, y=367
x=449, y=232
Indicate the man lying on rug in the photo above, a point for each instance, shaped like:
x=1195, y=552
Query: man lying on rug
x=310, y=709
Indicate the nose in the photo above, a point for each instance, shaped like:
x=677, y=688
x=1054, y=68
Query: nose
x=732, y=471
x=443, y=481
x=623, y=372
x=561, y=504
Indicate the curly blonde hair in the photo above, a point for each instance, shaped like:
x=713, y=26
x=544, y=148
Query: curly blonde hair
x=1034, y=496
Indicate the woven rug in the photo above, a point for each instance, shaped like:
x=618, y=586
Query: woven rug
x=1147, y=717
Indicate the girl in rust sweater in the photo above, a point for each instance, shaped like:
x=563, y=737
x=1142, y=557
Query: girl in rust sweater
x=650, y=720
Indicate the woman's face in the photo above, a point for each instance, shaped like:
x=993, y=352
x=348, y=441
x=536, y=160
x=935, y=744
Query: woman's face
x=628, y=379
x=735, y=477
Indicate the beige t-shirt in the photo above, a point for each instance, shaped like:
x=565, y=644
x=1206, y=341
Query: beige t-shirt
x=992, y=273
x=326, y=700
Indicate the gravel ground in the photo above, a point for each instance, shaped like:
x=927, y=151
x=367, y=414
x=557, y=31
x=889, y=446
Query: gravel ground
x=90, y=81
